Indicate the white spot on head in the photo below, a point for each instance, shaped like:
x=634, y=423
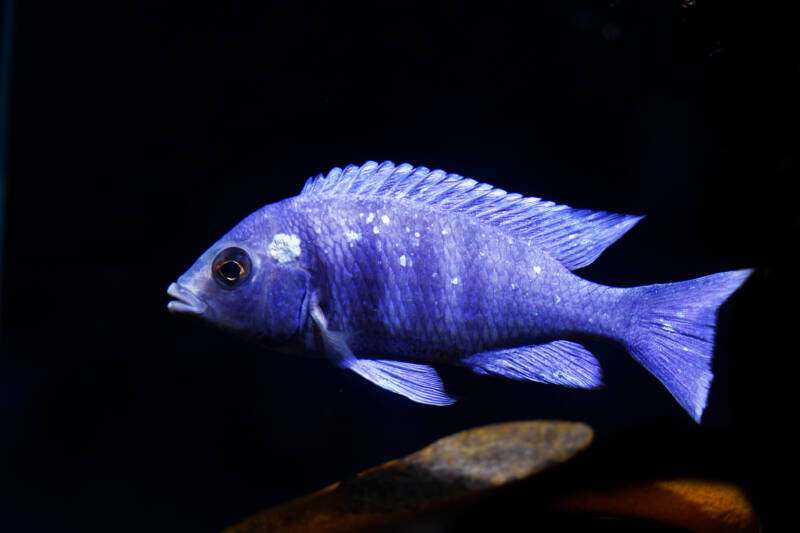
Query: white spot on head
x=352, y=236
x=284, y=247
x=537, y=269
x=375, y=230
x=370, y=217
x=455, y=280
x=385, y=219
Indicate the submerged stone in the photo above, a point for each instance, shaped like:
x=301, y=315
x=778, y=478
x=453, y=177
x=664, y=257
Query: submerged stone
x=689, y=504
x=451, y=470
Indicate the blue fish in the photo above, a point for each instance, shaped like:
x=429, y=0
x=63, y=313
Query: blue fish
x=385, y=270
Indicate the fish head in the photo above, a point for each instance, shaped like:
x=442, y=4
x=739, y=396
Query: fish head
x=243, y=285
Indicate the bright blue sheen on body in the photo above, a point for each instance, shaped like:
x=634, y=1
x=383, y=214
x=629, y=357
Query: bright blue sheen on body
x=379, y=266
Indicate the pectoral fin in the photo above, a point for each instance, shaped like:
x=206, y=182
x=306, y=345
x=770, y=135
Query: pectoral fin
x=416, y=382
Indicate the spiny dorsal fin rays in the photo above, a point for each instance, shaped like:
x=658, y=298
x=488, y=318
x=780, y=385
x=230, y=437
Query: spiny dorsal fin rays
x=574, y=237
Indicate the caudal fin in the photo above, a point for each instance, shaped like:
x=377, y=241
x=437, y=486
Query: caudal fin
x=674, y=336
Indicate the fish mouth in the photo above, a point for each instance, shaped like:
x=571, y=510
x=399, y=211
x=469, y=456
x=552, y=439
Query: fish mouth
x=185, y=302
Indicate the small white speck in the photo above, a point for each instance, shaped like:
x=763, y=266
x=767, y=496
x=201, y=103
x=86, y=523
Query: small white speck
x=408, y=230
x=284, y=247
x=361, y=215
x=445, y=231
x=375, y=230
x=572, y=236
x=537, y=269
x=404, y=261
x=513, y=285
x=416, y=234
x=370, y=217
x=482, y=254
x=455, y=280
x=558, y=299
x=681, y=314
x=352, y=236
x=385, y=219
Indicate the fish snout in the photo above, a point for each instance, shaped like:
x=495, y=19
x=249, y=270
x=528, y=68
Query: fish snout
x=185, y=301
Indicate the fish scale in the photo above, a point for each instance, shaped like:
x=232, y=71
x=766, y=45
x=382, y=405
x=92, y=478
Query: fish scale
x=384, y=269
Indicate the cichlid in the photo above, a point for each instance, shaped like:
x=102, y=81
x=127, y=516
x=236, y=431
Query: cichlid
x=385, y=269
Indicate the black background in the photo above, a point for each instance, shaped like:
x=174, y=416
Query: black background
x=140, y=132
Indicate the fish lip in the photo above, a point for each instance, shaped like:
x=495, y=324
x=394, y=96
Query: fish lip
x=185, y=301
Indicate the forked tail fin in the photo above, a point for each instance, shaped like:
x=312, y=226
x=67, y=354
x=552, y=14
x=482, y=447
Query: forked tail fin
x=673, y=338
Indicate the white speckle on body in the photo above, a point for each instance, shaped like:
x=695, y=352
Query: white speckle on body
x=370, y=217
x=513, y=285
x=537, y=269
x=375, y=230
x=284, y=247
x=455, y=280
x=558, y=299
x=572, y=236
x=352, y=236
x=404, y=261
x=416, y=234
x=385, y=219
x=445, y=231
x=681, y=314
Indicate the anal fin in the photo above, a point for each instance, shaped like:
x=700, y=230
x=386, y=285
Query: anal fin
x=560, y=362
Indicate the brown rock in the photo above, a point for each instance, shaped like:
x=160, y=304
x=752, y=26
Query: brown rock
x=451, y=470
x=691, y=504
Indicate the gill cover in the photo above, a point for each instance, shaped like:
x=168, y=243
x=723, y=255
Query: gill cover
x=287, y=288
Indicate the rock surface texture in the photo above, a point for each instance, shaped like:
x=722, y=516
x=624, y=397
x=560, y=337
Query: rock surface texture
x=449, y=471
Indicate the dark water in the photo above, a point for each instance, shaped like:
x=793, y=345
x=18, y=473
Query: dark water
x=140, y=132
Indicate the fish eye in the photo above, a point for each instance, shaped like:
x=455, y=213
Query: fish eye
x=231, y=267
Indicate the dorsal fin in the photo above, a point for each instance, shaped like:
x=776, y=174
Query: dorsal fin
x=574, y=237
